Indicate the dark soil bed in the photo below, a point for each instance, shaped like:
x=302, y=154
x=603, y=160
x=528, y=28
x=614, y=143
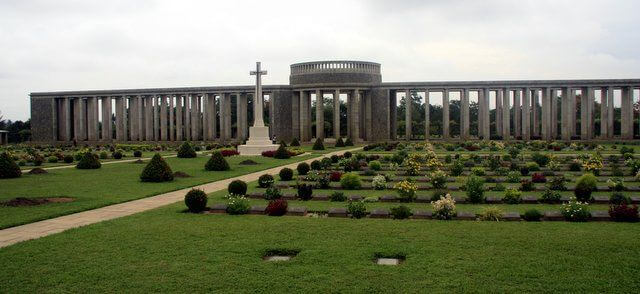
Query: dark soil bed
x=24, y=201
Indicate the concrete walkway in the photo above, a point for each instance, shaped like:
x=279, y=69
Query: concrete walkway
x=43, y=228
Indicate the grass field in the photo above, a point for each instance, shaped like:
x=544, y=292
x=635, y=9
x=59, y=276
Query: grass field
x=166, y=250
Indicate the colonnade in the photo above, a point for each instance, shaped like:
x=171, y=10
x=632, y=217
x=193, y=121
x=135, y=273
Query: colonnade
x=520, y=105
x=152, y=117
x=359, y=114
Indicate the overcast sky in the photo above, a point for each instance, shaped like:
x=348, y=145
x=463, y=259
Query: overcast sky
x=75, y=45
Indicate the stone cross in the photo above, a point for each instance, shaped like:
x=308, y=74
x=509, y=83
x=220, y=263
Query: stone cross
x=258, y=121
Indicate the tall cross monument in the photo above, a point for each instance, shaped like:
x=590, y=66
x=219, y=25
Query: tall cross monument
x=259, y=140
x=258, y=121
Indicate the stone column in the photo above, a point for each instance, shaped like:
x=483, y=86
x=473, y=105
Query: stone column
x=65, y=119
x=610, y=112
x=464, y=114
x=148, y=118
x=92, y=119
x=78, y=119
x=427, y=125
x=536, y=115
x=565, y=116
x=304, y=121
x=506, y=115
x=498, y=112
x=407, y=111
x=368, y=116
x=626, y=110
x=119, y=119
x=526, y=108
x=206, y=117
x=336, y=114
x=107, y=134
x=393, y=113
x=355, y=111
x=485, y=126
x=163, y=117
x=445, y=114
x=239, y=116
x=572, y=112
x=156, y=118
x=140, y=117
x=295, y=114
x=133, y=118
x=546, y=114
x=172, y=127
x=319, y=115
x=179, y=117
x=586, y=95
x=222, y=120
x=244, y=116
x=195, y=118
x=517, y=114
x=554, y=113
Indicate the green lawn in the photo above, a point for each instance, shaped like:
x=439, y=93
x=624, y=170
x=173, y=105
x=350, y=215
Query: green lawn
x=166, y=250
x=113, y=183
x=127, y=156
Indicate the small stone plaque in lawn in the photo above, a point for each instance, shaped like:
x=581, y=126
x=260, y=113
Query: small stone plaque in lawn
x=529, y=199
x=493, y=200
x=511, y=216
x=320, y=197
x=564, y=199
x=601, y=199
x=460, y=199
x=388, y=198
x=635, y=200
x=289, y=196
x=633, y=188
x=388, y=261
x=338, y=212
x=257, y=195
x=600, y=215
x=423, y=199
x=218, y=208
x=280, y=255
x=422, y=214
x=465, y=215
x=553, y=216
x=453, y=188
x=379, y=213
x=283, y=186
x=298, y=211
x=277, y=258
x=257, y=209
x=355, y=197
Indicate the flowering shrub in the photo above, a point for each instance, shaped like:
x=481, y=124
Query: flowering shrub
x=229, y=152
x=357, y=209
x=272, y=193
x=538, y=178
x=237, y=204
x=406, y=190
x=445, y=208
x=277, y=207
x=526, y=185
x=335, y=176
x=413, y=165
x=615, y=184
x=593, y=164
x=478, y=171
x=350, y=181
x=265, y=181
x=379, y=182
x=550, y=196
x=557, y=183
x=513, y=177
x=575, y=210
x=438, y=179
x=624, y=213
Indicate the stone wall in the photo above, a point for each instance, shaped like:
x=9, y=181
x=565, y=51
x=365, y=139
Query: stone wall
x=43, y=120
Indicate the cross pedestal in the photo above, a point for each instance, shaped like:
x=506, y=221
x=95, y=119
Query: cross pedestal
x=259, y=140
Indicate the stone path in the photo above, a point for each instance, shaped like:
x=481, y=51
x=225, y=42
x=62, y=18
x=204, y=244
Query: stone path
x=43, y=228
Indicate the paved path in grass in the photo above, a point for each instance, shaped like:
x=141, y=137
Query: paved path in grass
x=43, y=228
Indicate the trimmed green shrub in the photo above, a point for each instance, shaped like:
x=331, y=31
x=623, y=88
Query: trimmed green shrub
x=196, y=200
x=532, y=215
x=375, y=165
x=52, y=159
x=339, y=142
x=294, y=142
x=237, y=187
x=350, y=181
x=316, y=165
x=318, y=144
x=357, y=209
x=550, y=196
x=186, y=151
x=265, y=181
x=513, y=177
x=618, y=198
x=457, y=168
x=305, y=191
x=217, y=162
x=401, y=212
x=282, y=152
x=137, y=153
x=8, y=167
x=512, y=196
x=585, y=185
x=272, y=193
x=474, y=187
x=103, y=155
x=540, y=159
x=117, y=154
x=88, y=161
x=68, y=158
x=303, y=168
x=286, y=174
x=348, y=142
x=337, y=197
x=491, y=213
x=157, y=170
